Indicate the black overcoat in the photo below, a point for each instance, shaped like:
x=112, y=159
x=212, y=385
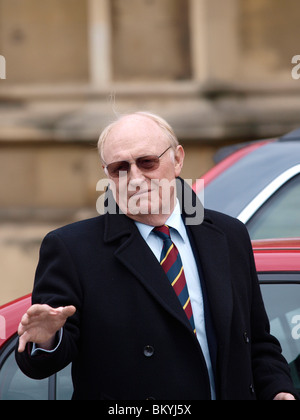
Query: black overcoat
x=130, y=338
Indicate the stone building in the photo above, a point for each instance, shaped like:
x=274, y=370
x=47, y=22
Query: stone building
x=220, y=71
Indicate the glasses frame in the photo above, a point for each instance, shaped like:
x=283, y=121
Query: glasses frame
x=135, y=161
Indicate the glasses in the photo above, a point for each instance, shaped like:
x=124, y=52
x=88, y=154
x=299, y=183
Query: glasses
x=144, y=163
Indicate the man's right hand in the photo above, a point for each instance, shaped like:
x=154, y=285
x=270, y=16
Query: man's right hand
x=40, y=324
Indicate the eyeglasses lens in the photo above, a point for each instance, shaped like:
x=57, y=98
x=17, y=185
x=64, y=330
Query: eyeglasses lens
x=148, y=163
x=145, y=163
x=114, y=169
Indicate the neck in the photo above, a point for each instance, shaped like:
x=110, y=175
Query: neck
x=151, y=220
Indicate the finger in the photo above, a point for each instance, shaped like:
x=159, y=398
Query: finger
x=289, y=397
x=65, y=311
x=68, y=311
x=21, y=329
x=284, y=397
x=21, y=347
x=23, y=340
x=36, y=310
x=24, y=320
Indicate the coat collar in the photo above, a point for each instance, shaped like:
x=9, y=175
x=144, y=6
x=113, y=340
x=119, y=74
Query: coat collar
x=118, y=225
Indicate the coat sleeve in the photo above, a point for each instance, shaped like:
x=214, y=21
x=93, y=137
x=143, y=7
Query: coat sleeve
x=56, y=284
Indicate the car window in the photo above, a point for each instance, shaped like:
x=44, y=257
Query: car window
x=14, y=385
x=279, y=217
x=283, y=307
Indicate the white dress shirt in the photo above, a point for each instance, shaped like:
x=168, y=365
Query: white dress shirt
x=180, y=238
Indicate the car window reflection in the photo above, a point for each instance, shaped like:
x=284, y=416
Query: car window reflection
x=14, y=385
x=279, y=217
x=283, y=308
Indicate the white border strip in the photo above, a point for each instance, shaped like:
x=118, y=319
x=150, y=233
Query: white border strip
x=266, y=193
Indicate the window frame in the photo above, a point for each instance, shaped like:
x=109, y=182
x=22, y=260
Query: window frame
x=274, y=277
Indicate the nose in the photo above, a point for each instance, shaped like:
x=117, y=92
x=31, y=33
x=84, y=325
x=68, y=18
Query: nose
x=136, y=179
x=135, y=173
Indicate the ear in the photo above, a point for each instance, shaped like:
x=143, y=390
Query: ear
x=105, y=171
x=179, y=159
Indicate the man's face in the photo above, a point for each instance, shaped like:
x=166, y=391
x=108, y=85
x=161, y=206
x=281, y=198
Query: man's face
x=142, y=194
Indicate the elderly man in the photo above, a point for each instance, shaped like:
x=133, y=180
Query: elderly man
x=144, y=304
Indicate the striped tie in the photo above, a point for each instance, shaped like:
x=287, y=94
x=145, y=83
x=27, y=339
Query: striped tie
x=171, y=263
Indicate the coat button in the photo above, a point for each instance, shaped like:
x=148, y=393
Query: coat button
x=148, y=351
x=246, y=338
x=252, y=390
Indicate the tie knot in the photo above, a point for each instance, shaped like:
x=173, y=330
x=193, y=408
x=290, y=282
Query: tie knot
x=163, y=232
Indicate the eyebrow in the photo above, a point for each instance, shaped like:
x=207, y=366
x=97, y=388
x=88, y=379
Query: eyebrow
x=134, y=158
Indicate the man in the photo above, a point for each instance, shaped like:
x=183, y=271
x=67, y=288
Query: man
x=104, y=299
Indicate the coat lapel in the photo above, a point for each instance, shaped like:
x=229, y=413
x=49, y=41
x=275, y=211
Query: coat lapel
x=133, y=252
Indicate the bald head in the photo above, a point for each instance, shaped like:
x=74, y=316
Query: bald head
x=137, y=122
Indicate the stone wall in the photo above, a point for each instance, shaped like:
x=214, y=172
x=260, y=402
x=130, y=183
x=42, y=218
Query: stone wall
x=44, y=41
x=151, y=40
x=269, y=38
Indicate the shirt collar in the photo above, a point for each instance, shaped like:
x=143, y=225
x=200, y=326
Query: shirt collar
x=174, y=221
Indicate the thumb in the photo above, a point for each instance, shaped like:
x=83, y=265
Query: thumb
x=68, y=311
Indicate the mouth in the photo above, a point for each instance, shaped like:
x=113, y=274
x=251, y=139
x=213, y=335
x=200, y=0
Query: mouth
x=140, y=193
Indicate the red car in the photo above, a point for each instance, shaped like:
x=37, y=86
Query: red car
x=278, y=266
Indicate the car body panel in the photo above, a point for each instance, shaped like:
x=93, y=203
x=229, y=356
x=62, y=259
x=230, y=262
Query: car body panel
x=235, y=188
x=10, y=317
x=281, y=255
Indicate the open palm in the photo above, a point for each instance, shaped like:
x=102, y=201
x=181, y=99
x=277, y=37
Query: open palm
x=40, y=324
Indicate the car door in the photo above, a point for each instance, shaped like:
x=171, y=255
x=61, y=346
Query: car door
x=14, y=385
x=281, y=293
